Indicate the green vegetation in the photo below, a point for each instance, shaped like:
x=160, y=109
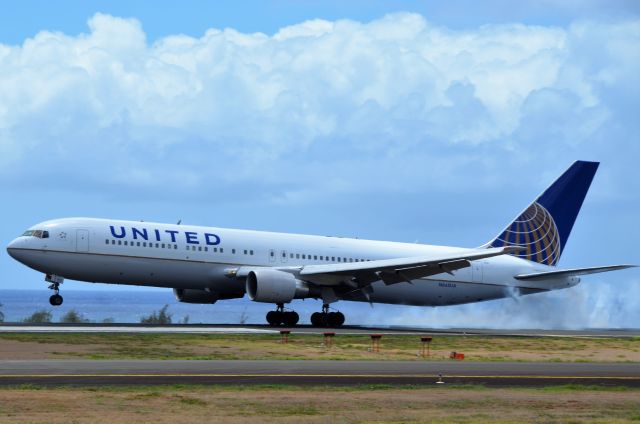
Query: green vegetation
x=286, y=403
x=310, y=346
x=157, y=317
x=73, y=317
x=41, y=316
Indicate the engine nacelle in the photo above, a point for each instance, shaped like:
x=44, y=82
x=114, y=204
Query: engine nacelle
x=272, y=286
x=195, y=296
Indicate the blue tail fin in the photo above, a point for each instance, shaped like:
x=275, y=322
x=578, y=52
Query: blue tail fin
x=544, y=227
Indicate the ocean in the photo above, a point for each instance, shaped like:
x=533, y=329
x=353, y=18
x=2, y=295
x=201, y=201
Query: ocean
x=129, y=306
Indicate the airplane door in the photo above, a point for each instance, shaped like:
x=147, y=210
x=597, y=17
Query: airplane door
x=283, y=256
x=476, y=272
x=82, y=240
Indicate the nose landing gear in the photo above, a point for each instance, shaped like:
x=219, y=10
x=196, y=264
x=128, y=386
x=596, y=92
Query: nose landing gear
x=282, y=317
x=55, y=299
x=326, y=318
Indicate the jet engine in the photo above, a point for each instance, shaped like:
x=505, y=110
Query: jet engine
x=272, y=286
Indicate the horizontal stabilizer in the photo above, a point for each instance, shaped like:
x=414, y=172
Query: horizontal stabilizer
x=538, y=276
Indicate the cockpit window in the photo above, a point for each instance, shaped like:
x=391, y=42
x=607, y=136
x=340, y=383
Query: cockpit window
x=36, y=233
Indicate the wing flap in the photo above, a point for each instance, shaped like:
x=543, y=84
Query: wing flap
x=539, y=276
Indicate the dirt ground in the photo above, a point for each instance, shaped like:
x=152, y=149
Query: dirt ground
x=290, y=405
x=229, y=346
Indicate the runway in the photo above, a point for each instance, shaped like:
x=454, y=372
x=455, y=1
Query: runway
x=305, y=329
x=127, y=372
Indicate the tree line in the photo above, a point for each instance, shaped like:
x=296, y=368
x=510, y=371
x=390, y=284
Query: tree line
x=42, y=316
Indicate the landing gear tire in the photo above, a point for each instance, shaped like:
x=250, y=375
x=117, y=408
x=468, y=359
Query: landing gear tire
x=290, y=319
x=335, y=319
x=274, y=318
x=327, y=319
x=317, y=319
x=280, y=317
x=55, y=300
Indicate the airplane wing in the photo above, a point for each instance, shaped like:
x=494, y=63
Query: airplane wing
x=539, y=276
x=391, y=271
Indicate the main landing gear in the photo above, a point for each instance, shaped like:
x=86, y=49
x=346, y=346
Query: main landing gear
x=282, y=317
x=55, y=299
x=326, y=318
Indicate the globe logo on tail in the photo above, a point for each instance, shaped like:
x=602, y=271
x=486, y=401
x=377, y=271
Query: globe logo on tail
x=536, y=231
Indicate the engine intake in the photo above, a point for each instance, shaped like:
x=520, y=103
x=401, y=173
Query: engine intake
x=272, y=286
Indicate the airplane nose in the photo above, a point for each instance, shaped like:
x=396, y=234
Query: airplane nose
x=11, y=248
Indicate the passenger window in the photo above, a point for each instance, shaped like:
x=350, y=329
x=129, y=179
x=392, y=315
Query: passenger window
x=215, y=249
x=119, y=242
x=157, y=245
x=113, y=242
x=106, y=241
x=338, y=259
x=221, y=250
x=233, y=251
x=144, y=244
x=245, y=251
x=315, y=257
x=45, y=234
x=297, y=256
x=251, y=252
x=333, y=258
x=206, y=249
x=199, y=248
x=304, y=256
x=291, y=255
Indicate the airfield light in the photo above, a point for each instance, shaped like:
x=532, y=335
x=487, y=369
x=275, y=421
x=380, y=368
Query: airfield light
x=375, y=342
x=284, y=336
x=328, y=339
x=426, y=342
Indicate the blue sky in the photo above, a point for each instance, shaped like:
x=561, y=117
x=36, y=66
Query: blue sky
x=434, y=122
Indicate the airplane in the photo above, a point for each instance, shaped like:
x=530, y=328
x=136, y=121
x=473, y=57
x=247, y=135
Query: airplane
x=207, y=264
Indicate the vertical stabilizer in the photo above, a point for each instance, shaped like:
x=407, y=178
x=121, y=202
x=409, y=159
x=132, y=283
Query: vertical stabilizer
x=544, y=227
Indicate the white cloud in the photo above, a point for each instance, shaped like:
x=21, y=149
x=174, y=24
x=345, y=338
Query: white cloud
x=359, y=101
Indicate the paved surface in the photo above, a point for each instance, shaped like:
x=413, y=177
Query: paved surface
x=243, y=329
x=125, y=372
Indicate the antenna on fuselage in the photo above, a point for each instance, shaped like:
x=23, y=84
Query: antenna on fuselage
x=179, y=222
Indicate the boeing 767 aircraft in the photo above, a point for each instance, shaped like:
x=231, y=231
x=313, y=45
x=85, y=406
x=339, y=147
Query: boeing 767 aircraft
x=207, y=264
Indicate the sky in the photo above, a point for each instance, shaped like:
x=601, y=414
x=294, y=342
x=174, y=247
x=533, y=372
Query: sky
x=430, y=122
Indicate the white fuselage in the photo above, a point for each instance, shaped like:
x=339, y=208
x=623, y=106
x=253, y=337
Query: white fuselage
x=193, y=257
